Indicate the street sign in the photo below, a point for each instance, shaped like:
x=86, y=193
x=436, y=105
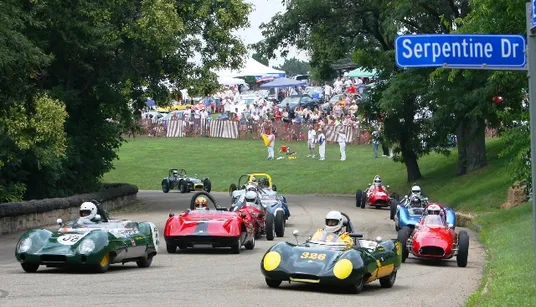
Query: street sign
x=472, y=51
x=533, y=14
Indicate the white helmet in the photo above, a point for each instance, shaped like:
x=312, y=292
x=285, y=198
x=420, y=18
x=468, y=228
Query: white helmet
x=88, y=210
x=251, y=196
x=434, y=210
x=334, y=221
x=416, y=190
x=251, y=187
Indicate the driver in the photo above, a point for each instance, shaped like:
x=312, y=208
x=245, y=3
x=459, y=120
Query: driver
x=88, y=212
x=434, y=211
x=175, y=173
x=415, y=202
x=201, y=203
x=251, y=187
x=334, y=224
x=415, y=191
x=377, y=182
x=251, y=199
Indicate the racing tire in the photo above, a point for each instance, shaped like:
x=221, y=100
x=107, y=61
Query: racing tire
x=274, y=188
x=463, y=249
x=171, y=249
x=392, y=207
x=30, y=267
x=104, y=264
x=358, y=286
x=273, y=283
x=237, y=246
x=388, y=281
x=232, y=188
x=145, y=262
x=403, y=236
x=183, y=187
x=207, y=185
x=165, y=186
x=279, y=224
x=358, y=198
x=269, y=227
x=251, y=244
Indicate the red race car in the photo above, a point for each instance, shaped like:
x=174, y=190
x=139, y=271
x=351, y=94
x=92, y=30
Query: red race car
x=375, y=195
x=433, y=238
x=254, y=210
x=199, y=226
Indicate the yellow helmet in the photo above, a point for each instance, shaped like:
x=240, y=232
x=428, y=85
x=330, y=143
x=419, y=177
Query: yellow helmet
x=201, y=202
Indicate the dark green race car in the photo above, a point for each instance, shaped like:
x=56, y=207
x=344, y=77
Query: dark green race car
x=93, y=245
x=330, y=261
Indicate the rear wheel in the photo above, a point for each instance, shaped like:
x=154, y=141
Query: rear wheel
x=358, y=286
x=358, y=198
x=171, y=248
x=29, y=267
x=251, y=244
x=392, y=207
x=182, y=187
x=269, y=227
x=207, y=185
x=388, y=281
x=104, y=264
x=165, y=186
x=279, y=223
x=273, y=283
x=145, y=262
x=403, y=236
x=463, y=249
x=236, y=247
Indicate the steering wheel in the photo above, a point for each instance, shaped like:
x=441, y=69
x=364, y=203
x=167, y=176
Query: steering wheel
x=207, y=195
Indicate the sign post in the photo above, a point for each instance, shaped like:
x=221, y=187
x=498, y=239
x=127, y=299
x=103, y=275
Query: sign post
x=477, y=51
x=531, y=54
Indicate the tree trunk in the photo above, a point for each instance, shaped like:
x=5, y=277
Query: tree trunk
x=410, y=160
x=471, y=146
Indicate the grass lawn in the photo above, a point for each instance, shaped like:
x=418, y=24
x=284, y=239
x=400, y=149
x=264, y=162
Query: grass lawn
x=507, y=234
x=146, y=161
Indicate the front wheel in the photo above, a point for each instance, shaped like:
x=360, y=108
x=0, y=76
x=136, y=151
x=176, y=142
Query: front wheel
x=104, y=264
x=165, y=186
x=232, y=188
x=463, y=249
x=183, y=188
x=145, y=262
x=358, y=198
x=403, y=236
x=279, y=223
x=392, y=207
x=207, y=185
x=251, y=244
x=273, y=283
x=388, y=281
x=30, y=267
x=171, y=248
x=236, y=247
x=357, y=287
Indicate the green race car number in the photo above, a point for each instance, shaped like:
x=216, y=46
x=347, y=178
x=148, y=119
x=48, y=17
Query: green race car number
x=316, y=256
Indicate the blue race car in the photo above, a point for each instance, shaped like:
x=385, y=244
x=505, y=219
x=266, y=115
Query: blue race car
x=407, y=214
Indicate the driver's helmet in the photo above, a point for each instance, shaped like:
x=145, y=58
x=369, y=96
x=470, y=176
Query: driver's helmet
x=88, y=211
x=433, y=210
x=201, y=203
x=334, y=221
x=253, y=179
x=251, y=196
x=175, y=173
x=416, y=190
x=251, y=187
x=377, y=181
x=263, y=182
x=415, y=202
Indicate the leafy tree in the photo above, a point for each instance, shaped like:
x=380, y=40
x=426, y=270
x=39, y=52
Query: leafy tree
x=96, y=56
x=294, y=67
x=260, y=58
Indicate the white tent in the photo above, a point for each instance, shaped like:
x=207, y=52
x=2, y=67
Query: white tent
x=253, y=69
x=230, y=81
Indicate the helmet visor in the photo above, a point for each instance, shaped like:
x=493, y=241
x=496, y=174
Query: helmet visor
x=84, y=213
x=331, y=222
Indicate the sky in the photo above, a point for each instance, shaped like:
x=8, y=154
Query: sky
x=262, y=12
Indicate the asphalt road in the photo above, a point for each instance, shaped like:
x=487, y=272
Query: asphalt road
x=217, y=278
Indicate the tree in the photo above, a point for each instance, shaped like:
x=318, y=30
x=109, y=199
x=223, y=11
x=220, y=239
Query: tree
x=260, y=58
x=97, y=56
x=294, y=67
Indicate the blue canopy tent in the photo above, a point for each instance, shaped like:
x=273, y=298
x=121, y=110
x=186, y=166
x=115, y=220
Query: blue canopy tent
x=150, y=103
x=283, y=82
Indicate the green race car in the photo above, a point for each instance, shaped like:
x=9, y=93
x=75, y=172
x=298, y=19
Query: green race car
x=93, y=245
x=331, y=261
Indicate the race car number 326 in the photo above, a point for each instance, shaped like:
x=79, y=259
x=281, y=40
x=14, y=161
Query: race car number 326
x=307, y=255
x=70, y=239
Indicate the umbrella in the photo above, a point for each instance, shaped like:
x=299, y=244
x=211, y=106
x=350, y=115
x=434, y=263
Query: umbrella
x=283, y=82
x=362, y=73
x=150, y=103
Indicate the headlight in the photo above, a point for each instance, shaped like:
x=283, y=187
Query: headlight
x=271, y=261
x=343, y=268
x=25, y=245
x=86, y=247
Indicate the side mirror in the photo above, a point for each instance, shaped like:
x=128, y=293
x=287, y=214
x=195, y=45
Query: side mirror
x=171, y=214
x=378, y=239
x=98, y=218
x=60, y=222
x=296, y=233
x=355, y=235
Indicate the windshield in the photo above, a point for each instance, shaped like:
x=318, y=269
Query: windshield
x=433, y=220
x=84, y=223
x=313, y=89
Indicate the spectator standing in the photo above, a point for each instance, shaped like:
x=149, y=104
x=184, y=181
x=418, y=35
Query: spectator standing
x=321, y=144
x=271, y=138
x=342, y=142
x=311, y=138
x=375, y=143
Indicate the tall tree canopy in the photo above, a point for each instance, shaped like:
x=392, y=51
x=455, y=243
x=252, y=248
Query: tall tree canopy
x=293, y=67
x=91, y=58
x=260, y=58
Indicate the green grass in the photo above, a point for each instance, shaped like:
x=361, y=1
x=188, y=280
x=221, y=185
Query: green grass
x=146, y=161
x=509, y=274
x=506, y=234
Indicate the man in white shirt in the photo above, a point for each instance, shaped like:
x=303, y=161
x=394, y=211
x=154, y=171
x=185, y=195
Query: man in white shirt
x=311, y=138
x=321, y=144
x=270, y=146
x=337, y=85
x=341, y=139
x=328, y=91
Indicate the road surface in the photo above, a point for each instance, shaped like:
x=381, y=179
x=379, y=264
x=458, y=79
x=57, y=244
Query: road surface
x=217, y=278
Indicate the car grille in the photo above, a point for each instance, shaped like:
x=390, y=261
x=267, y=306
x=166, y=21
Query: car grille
x=432, y=251
x=53, y=258
x=304, y=276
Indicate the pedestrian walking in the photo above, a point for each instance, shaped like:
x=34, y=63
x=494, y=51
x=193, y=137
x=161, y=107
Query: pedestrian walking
x=341, y=139
x=321, y=144
x=311, y=139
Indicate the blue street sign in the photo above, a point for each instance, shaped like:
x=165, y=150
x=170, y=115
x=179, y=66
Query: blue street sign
x=533, y=13
x=460, y=51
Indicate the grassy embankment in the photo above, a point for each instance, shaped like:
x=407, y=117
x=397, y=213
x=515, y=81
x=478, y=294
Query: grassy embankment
x=507, y=234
